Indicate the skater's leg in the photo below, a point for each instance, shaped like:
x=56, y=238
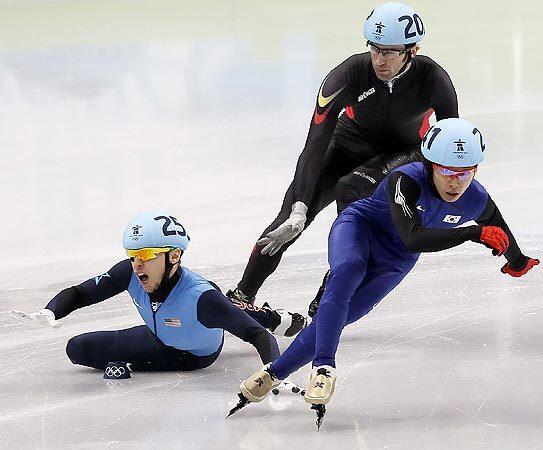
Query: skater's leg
x=348, y=254
x=358, y=184
x=378, y=281
x=376, y=285
x=279, y=322
x=137, y=346
x=259, y=267
x=346, y=244
x=314, y=305
x=298, y=353
x=361, y=183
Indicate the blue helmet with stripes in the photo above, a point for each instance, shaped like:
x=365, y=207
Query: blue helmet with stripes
x=155, y=229
x=454, y=143
x=394, y=24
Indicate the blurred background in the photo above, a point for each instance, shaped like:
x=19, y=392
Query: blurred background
x=111, y=107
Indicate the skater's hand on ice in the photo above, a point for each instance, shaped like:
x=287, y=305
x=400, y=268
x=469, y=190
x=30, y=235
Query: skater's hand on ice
x=495, y=238
x=522, y=270
x=285, y=232
x=42, y=318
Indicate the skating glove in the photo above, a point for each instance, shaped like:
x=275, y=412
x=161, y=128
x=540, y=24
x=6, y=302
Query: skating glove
x=522, y=270
x=495, y=238
x=42, y=318
x=285, y=232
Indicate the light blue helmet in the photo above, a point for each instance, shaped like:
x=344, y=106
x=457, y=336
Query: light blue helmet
x=155, y=229
x=394, y=24
x=453, y=143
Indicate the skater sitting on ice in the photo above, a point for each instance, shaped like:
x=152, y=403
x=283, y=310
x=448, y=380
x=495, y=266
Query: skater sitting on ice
x=185, y=315
x=374, y=243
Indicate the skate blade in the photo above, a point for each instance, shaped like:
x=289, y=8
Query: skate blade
x=321, y=410
x=243, y=402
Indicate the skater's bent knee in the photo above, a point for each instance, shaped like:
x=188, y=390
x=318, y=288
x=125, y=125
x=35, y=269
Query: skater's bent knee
x=344, y=279
x=75, y=349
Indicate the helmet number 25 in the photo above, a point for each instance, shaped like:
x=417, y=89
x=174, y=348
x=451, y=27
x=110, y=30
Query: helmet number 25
x=415, y=20
x=168, y=220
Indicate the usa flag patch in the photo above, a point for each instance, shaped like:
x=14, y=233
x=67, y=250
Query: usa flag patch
x=172, y=322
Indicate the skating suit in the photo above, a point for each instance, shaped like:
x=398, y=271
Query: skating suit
x=375, y=242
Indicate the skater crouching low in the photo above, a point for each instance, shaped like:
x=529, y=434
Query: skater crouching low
x=374, y=243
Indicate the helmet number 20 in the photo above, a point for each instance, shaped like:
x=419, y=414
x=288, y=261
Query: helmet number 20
x=415, y=20
x=167, y=222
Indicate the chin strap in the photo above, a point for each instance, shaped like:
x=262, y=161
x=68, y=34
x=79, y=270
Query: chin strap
x=168, y=266
x=404, y=67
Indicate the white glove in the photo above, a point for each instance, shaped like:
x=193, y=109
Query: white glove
x=42, y=318
x=285, y=232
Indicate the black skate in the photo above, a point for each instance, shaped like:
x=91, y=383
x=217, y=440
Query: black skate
x=236, y=294
x=288, y=323
x=314, y=305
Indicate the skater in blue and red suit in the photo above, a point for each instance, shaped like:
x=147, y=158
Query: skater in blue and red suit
x=374, y=243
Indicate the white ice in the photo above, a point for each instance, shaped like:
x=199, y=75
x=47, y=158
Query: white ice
x=109, y=108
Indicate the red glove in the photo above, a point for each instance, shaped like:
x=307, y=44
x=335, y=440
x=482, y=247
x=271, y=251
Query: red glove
x=496, y=239
x=530, y=262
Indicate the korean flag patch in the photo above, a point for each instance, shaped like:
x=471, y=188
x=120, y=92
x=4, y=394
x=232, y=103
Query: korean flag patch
x=451, y=219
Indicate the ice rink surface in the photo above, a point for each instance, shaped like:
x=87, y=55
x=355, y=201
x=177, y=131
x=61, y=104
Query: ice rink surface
x=109, y=107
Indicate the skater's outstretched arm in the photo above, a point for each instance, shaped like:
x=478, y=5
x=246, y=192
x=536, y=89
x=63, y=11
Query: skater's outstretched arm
x=92, y=291
x=89, y=292
x=217, y=311
x=517, y=263
x=492, y=231
x=403, y=193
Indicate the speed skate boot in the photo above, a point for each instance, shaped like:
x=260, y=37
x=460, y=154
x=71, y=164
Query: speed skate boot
x=314, y=305
x=320, y=388
x=239, y=296
x=258, y=385
x=255, y=388
x=288, y=323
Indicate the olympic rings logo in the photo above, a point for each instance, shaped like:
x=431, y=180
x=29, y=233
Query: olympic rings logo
x=115, y=371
